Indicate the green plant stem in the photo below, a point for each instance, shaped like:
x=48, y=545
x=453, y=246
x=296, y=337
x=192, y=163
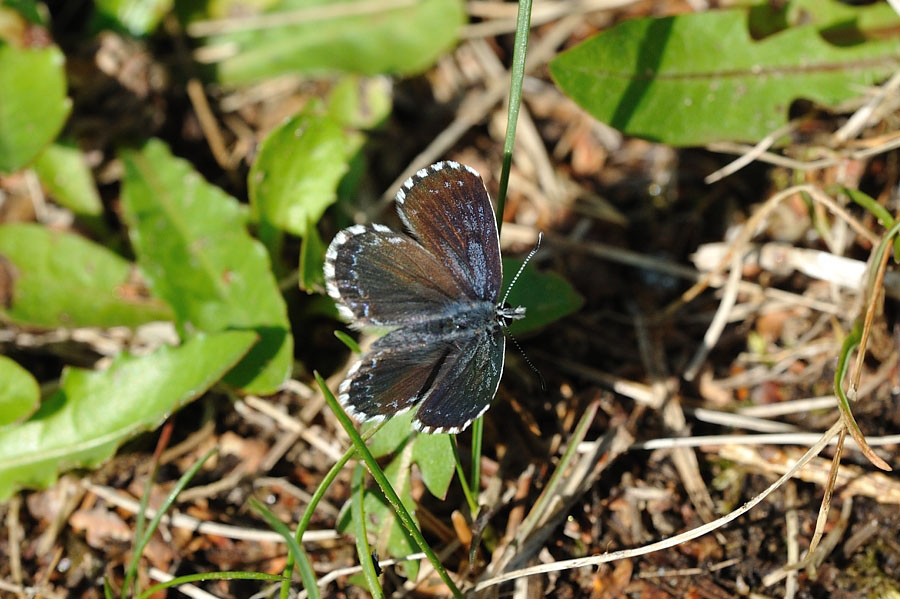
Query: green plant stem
x=131, y=571
x=141, y=517
x=235, y=575
x=399, y=509
x=517, y=76
x=311, y=508
x=357, y=493
x=307, y=574
x=470, y=498
x=851, y=342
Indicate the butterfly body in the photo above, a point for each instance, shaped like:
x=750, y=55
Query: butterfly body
x=437, y=291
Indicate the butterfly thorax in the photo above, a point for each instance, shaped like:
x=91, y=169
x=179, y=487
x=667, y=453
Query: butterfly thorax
x=456, y=321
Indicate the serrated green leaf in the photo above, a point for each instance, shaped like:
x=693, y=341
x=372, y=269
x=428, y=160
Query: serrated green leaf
x=137, y=17
x=63, y=280
x=839, y=20
x=434, y=455
x=194, y=248
x=63, y=171
x=19, y=392
x=391, y=38
x=295, y=176
x=698, y=78
x=546, y=296
x=33, y=102
x=92, y=413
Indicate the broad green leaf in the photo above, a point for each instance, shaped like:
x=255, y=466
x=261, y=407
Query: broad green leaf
x=63, y=171
x=392, y=435
x=137, y=17
x=296, y=173
x=434, y=455
x=63, y=280
x=546, y=296
x=319, y=36
x=192, y=244
x=33, y=102
x=698, y=78
x=92, y=413
x=19, y=392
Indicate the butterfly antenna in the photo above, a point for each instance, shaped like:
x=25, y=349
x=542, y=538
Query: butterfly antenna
x=528, y=258
x=527, y=361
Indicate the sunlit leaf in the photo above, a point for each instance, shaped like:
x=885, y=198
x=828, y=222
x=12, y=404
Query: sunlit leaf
x=64, y=280
x=698, y=78
x=33, y=102
x=92, y=413
x=317, y=36
x=63, y=171
x=192, y=243
x=19, y=392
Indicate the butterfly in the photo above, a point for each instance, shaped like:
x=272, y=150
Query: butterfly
x=437, y=289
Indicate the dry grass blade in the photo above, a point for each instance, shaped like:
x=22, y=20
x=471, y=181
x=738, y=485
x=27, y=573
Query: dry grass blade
x=673, y=541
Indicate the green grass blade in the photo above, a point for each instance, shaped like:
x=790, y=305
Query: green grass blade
x=362, y=543
x=307, y=574
x=154, y=524
x=402, y=514
x=204, y=576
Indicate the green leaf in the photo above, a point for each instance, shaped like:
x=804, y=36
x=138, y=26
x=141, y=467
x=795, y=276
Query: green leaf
x=65, y=174
x=296, y=173
x=19, y=392
x=840, y=20
x=546, y=296
x=347, y=340
x=17, y=11
x=193, y=246
x=698, y=78
x=63, y=280
x=391, y=435
x=434, y=455
x=312, y=261
x=33, y=102
x=360, y=102
x=137, y=17
x=92, y=413
x=392, y=38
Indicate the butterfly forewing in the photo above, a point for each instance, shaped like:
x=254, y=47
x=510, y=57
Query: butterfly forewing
x=447, y=209
x=383, y=278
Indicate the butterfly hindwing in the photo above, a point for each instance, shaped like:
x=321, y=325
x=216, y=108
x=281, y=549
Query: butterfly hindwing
x=392, y=376
x=465, y=385
x=447, y=209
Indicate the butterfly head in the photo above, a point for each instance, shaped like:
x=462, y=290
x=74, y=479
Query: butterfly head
x=506, y=313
